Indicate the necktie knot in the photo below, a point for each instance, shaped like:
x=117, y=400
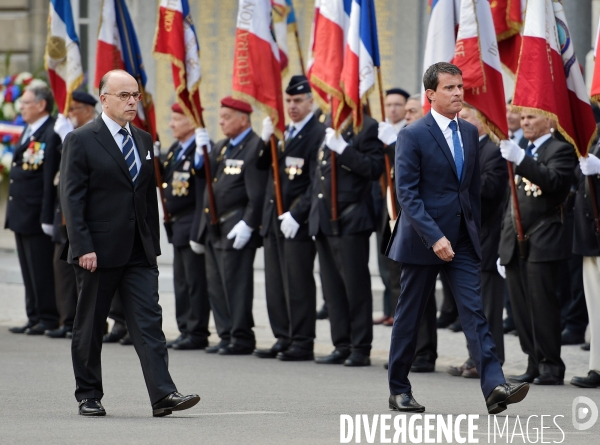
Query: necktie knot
x=124, y=132
x=453, y=126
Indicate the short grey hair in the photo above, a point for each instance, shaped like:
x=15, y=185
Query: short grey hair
x=415, y=97
x=42, y=92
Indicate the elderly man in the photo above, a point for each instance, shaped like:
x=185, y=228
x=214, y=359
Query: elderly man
x=30, y=208
x=544, y=174
x=231, y=242
x=413, y=110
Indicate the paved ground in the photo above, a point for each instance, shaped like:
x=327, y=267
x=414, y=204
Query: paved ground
x=245, y=399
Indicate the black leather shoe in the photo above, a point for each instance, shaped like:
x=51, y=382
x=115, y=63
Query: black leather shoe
x=177, y=340
x=456, y=371
x=523, y=378
x=114, y=336
x=323, y=313
x=548, y=379
x=296, y=354
x=386, y=365
x=40, y=329
x=505, y=394
x=91, y=408
x=21, y=329
x=568, y=337
x=58, y=333
x=69, y=335
x=456, y=326
x=585, y=347
x=422, y=366
x=126, y=340
x=187, y=344
x=235, y=349
x=591, y=381
x=406, y=403
x=358, y=359
x=337, y=357
x=443, y=321
x=174, y=402
x=214, y=349
x=273, y=351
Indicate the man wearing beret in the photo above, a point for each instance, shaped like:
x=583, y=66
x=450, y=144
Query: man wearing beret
x=183, y=184
x=231, y=243
x=289, y=250
x=343, y=248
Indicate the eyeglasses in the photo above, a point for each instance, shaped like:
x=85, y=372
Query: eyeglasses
x=124, y=96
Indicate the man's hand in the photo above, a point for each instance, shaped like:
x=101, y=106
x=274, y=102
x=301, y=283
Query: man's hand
x=62, y=126
x=289, y=226
x=48, y=229
x=89, y=261
x=242, y=233
x=386, y=133
x=157, y=149
x=501, y=269
x=590, y=165
x=267, y=129
x=511, y=151
x=443, y=249
x=202, y=140
x=197, y=248
x=335, y=142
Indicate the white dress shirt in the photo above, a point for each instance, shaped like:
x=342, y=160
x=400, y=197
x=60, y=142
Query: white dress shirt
x=444, y=124
x=538, y=142
x=516, y=135
x=32, y=128
x=298, y=126
x=114, y=128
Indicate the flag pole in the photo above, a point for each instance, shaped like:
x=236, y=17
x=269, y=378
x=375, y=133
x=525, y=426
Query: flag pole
x=276, y=183
x=594, y=207
x=517, y=211
x=299, y=49
x=388, y=166
x=209, y=182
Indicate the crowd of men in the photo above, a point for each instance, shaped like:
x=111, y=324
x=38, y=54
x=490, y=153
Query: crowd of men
x=543, y=282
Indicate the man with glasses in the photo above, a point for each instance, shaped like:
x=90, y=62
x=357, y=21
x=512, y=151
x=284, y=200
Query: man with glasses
x=108, y=195
x=30, y=208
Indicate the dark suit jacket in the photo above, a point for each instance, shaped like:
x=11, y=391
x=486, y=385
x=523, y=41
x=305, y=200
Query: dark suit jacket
x=295, y=192
x=494, y=176
x=358, y=166
x=584, y=236
x=32, y=193
x=553, y=173
x=237, y=195
x=183, y=188
x=432, y=199
x=102, y=206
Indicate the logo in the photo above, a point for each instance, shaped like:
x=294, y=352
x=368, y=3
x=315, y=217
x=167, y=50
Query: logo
x=584, y=417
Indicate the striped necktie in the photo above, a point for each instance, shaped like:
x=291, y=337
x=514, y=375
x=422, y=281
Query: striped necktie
x=458, y=154
x=129, y=153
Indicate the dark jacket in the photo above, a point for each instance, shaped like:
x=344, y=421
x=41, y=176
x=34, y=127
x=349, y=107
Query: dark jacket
x=357, y=167
x=102, y=206
x=584, y=234
x=239, y=190
x=295, y=188
x=553, y=173
x=31, y=192
x=494, y=176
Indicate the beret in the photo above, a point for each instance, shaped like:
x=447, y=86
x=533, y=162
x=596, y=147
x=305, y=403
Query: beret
x=298, y=85
x=236, y=104
x=84, y=98
x=399, y=91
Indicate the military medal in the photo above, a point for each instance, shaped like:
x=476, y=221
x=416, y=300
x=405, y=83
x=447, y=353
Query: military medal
x=531, y=189
x=33, y=157
x=233, y=166
x=180, y=184
x=293, y=166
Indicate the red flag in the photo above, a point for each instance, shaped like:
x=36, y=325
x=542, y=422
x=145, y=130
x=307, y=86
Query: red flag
x=596, y=77
x=508, y=20
x=256, y=66
x=176, y=41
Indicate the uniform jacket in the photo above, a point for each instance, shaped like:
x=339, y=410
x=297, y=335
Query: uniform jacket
x=584, y=234
x=295, y=187
x=357, y=167
x=102, y=206
x=552, y=172
x=239, y=189
x=31, y=192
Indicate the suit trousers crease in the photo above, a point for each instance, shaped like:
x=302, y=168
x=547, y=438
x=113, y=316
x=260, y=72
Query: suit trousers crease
x=532, y=288
x=344, y=263
x=591, y=283
x=138, y=289
x=230, y=278
x=463, y=274
x=290, y=289
x=192, y=308
x=36, y=254
x=65, y=285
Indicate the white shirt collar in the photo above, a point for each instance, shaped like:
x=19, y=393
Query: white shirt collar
x=516, y=135
x=482, y=137
x=539, y=141
x=300, y=125
x=442, y=121
x=185, y=144
x=113, y=127
x=37, y=124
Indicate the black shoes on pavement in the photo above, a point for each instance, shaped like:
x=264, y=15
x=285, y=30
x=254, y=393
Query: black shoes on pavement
x=189, y=344
x=405, y=403
x=91, y=408
x=505, y=394
x=272, y=352
x=174, y=402
x=59, y=333
x=21, y=329
x=591, y=381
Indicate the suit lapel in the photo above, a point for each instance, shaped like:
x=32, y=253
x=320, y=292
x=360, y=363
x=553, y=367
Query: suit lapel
x=437, y=134
x=176, y=163
x=236, y=150
x=142, y=152
x=108, y=142
x=295, y=142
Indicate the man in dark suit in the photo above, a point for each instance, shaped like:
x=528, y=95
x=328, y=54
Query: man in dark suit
x=438, y=187
x=183, y=185
x=30, y=208
x=231, y=243
x=494, y=175
x=343, y=248
x=544, y=174
x=108, y=196
x=289, y=249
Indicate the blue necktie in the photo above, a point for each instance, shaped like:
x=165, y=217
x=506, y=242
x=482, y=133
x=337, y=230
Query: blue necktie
x=529, y=150
x=129, y=153
x=458, y=153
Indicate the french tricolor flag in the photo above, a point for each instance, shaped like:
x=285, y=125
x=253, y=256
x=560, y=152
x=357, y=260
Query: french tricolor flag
x=360, y=58
x=595, y=93
x=62, y=58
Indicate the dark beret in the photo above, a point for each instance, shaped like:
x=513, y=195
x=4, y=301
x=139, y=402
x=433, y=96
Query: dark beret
x=399, y=91
x=84, y=98
x=298, y=85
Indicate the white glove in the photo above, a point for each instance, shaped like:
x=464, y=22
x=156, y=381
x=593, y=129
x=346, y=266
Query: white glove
x=333, y=142
x=511, y=151
x=386, y=133
x=48, y=229
x=590, y=165
x=197, y=248
x=501, y=269
x=267, y=129
x=157, y=149
x=289, y=226
x=202, y=140
x=63, y=126
x=242, y=233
